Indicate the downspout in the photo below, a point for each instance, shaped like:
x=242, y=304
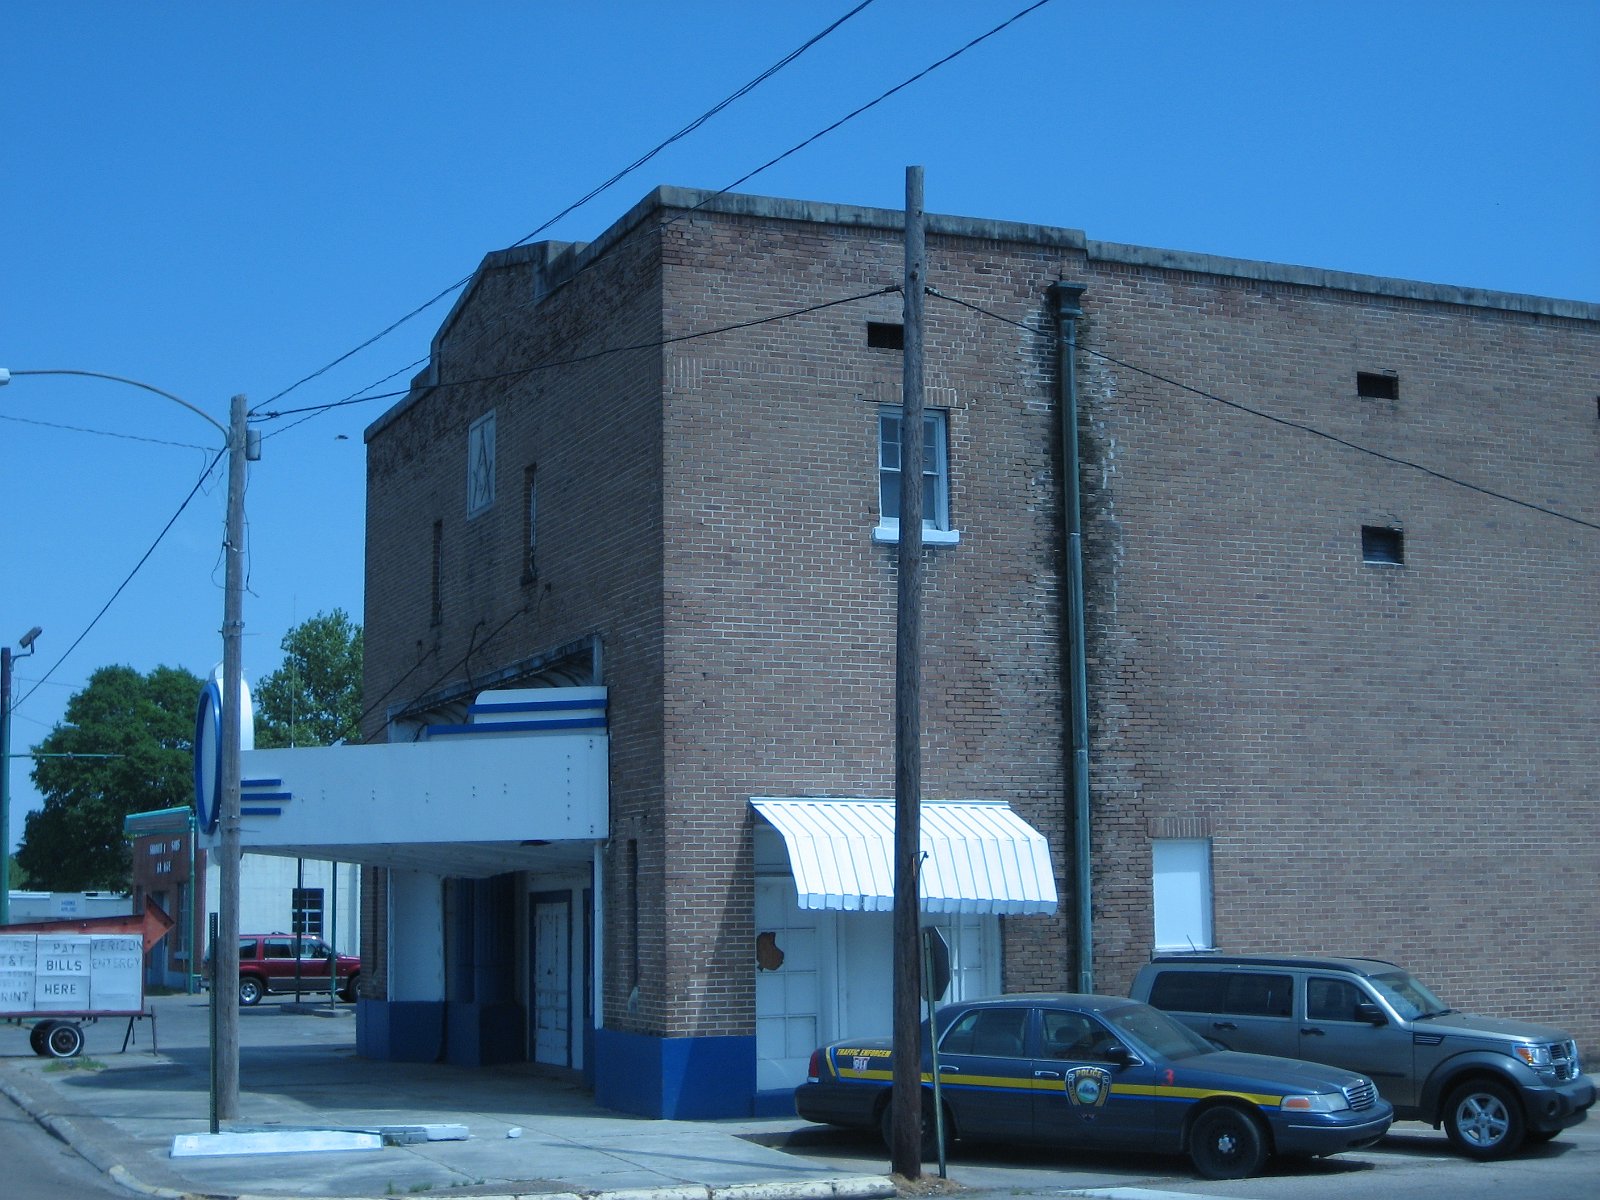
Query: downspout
x=1066, y=298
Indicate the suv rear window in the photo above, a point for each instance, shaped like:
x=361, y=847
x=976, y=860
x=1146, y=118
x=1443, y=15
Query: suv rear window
x=1237, y=994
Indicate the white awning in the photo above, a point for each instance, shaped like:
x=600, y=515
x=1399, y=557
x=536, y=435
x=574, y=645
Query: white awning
x=980, y=856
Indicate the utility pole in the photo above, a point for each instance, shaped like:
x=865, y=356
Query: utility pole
x=225, y=949
x=905, y=1150
x=5, y=785
x=6, y=659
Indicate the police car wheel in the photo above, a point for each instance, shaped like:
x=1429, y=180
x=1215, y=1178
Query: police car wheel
x=1225, y=1143
x=929, y=1146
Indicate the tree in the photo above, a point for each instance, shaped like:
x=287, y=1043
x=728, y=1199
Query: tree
x=126, y=746
x=314, y=698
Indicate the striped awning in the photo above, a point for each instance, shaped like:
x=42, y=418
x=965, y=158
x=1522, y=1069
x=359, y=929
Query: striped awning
x=980, y=857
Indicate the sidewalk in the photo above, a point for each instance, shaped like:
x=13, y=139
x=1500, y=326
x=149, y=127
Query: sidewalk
x=528, y=1135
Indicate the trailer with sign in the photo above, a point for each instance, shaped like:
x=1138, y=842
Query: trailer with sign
x=63, y=975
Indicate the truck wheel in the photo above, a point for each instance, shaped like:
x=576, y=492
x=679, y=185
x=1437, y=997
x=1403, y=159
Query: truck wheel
x=37, y=1037
x=348, y=994
x=1483, y=1120
x=64, y=1039
x=1225, y=1143
x=249, y=991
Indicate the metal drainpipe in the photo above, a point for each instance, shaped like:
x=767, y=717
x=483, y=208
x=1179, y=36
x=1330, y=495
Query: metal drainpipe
x=1066, y=298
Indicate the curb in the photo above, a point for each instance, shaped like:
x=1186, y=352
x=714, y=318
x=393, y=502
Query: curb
x=844, y=1187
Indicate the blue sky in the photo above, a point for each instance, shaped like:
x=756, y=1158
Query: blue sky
x=225, y=198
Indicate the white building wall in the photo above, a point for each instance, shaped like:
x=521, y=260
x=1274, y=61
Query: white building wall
x=266, y=896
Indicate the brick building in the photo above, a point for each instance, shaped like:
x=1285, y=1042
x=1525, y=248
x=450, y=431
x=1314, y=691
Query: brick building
x=1336, y=703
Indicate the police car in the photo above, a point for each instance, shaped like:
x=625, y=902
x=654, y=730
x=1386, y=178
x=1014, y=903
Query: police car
x=1101, y=1073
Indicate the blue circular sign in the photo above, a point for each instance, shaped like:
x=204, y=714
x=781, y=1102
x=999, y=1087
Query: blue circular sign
x=208, y=758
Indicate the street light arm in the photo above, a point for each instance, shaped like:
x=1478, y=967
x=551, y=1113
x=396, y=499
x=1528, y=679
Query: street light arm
x=5, y=377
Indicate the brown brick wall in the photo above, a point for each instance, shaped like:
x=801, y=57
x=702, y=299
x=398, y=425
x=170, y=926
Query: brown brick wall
x=1396, y=761
x=1393, y=760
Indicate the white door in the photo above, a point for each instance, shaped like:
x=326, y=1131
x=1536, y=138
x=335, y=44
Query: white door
x=788, y=951
x=551, y=924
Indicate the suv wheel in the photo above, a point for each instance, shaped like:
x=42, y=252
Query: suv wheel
x=1483, y=1120
x=249, y=991
x=1225, y=1143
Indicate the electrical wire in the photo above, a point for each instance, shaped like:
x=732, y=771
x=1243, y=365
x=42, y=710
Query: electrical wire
x=550, y=364
x=590, y=195
x=473, y=647
x=685, y=214
x=871, y=104
x=130, y=437
x=1277, y=420
x=354, y=397
x=697, y=122
x=144, y=558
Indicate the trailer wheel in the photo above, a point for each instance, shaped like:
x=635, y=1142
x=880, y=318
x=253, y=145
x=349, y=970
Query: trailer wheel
x=37, y=1036
x=64, y=1039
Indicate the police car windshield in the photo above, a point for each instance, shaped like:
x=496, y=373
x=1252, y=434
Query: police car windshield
x=1150, y=1030
x=1409, y=995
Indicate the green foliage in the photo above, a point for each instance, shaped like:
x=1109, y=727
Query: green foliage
x=139, y=730
x=314, y=698
x=19, y=878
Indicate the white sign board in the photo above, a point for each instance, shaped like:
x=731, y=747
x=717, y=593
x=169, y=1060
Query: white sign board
x=70, y=973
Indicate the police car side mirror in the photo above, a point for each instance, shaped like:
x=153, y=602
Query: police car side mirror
x=1118, y=1055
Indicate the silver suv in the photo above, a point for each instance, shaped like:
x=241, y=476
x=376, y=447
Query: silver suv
x=1492, y=1084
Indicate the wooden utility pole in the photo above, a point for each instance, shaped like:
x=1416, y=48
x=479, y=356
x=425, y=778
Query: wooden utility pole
x=225, y=949
x=905, y=1150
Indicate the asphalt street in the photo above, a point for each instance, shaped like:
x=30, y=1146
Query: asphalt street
x=299, y=1068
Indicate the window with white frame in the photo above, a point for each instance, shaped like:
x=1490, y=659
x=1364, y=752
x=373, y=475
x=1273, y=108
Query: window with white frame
x=307, y=912
x=936, y=529
x=1181, y=886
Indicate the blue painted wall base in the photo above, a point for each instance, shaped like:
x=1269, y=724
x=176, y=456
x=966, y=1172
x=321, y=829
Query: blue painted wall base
x=400, y=1030
x=774, y=1104
x=678, y=1079
x=480, y=1035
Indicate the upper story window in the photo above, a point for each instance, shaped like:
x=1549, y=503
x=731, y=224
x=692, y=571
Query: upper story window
x=436, y=607
x=530, y=524
x=882, y=335
x=936, y=529
x=1383, y=545
x=1378, y=385
x=480, y=465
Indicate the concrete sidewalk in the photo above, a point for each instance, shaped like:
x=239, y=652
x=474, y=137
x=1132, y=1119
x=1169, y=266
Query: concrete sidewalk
x=528, y=1135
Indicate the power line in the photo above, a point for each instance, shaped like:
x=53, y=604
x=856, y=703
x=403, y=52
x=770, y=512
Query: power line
x=550, y=364
x=194, y=491
x=870, y=104
x=661, y=228
x=697, y=122
x=354, y=397
x=131, y=437
x=590, y=195
x=1277, y=420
